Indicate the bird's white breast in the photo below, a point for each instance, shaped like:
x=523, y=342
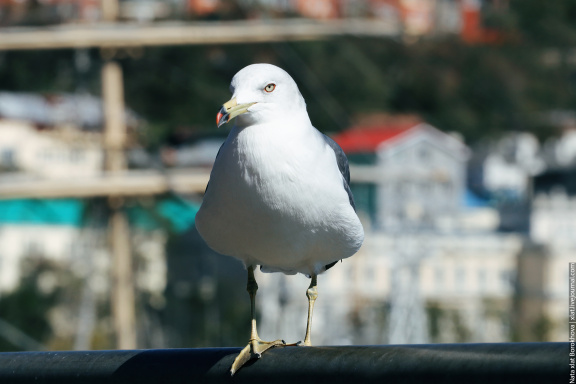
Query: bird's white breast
x=276, y=198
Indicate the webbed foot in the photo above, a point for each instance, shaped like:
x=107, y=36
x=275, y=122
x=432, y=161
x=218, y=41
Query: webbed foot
x=254, y=349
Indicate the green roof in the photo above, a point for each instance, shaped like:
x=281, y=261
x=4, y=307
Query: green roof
x=169, y=211
x=42, y=211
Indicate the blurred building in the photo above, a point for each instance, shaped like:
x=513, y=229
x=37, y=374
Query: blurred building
x=53, y=136
x=433, y=267
x=70, y=235
x=415, y=174
x=37, y=228
x=502, y=169
x=29, y=12
x=56, y=153
x=465, y=283
x=48, y=137
x=437, y=266
x=59, y=137
x=553, y=229
x=475, y=21
x=559, y=157
x=533, y=188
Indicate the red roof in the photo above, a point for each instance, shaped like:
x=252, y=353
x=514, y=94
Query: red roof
x=366, y=138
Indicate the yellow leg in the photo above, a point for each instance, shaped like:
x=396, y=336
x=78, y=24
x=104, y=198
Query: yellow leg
x=256, y=346
x=312, y=294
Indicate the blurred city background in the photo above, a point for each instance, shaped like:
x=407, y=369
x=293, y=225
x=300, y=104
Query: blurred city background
x=458, y=118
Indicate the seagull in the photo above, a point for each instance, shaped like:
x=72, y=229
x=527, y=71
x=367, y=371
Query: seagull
x=278, y=194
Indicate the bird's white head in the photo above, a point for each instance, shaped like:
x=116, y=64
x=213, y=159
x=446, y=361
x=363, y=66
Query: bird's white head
x=262, y=93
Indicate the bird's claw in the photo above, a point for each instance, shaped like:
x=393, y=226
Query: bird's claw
x=254, y=349
x=241, y=359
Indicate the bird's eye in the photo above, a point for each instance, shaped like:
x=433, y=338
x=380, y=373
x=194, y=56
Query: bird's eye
x=270, y=87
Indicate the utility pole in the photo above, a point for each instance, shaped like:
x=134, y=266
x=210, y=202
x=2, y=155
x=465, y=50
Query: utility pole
x=122, y=292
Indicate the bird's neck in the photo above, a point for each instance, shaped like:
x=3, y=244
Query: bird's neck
x=272, y=139
x=292, y=119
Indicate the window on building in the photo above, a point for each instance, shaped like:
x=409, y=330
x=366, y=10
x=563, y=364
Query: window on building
x=370, y=276
x=460, y=278
x=482, y=280
x=439, y=278
x=424, y=153
x=75, y=155
x=7, y=158
x=45, y=154
x=32, y=248
x=507, y=279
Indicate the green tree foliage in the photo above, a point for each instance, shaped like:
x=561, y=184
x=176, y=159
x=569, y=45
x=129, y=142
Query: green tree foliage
x=27, y=307
x=545, y=23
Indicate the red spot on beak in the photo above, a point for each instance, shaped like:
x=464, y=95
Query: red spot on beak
x=222, y=117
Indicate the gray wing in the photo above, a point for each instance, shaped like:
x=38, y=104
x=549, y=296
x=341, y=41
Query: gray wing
x=343, y=166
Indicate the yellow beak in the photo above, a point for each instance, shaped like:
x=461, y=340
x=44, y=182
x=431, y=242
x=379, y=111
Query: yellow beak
x=230, y=110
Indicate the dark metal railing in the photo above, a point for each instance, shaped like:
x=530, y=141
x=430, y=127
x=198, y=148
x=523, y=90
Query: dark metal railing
x=435, y=363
